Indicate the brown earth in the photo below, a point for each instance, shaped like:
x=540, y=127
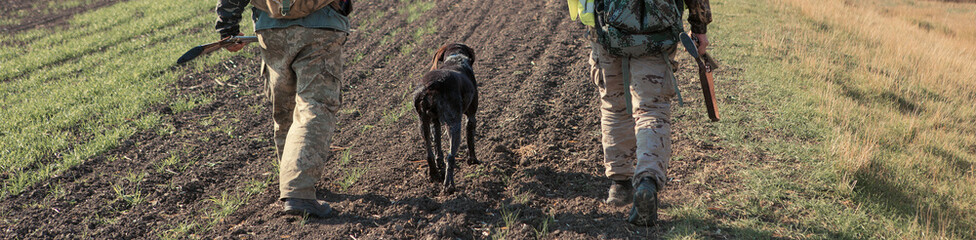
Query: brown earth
x=538, y=137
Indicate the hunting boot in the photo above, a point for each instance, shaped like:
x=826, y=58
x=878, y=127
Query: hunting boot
x=312, y=207
x=621, y=193
x=644, y=211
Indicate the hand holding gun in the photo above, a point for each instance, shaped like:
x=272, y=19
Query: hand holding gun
x=232, y=44
x=705, y=66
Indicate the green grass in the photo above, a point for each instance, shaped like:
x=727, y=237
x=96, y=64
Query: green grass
x=131, y=197
x=789, y=193
x=75, y=93
x=189, y=102
x=800, y=188
x=416, y=9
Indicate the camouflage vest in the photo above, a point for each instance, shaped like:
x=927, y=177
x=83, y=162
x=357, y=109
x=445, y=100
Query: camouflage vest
x=637, y=28
x=290, y=9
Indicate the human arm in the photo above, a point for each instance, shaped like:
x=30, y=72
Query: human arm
x=228, y=20
x=699, y=16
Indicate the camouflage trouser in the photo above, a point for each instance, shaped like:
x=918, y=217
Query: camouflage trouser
x=645, y=136
x=304, y=68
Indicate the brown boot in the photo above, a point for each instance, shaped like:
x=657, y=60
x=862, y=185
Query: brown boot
x=621, y=193
x=644, y=211
x=311, y=207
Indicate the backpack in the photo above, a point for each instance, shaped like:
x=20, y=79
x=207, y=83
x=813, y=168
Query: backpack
x=637, y=28
x=292, y=9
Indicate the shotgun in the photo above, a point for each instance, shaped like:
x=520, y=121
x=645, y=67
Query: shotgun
x=705, y=66
x=211, y=47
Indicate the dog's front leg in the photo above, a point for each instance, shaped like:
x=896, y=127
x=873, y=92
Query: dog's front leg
x=432, y=167
x=455, y=132
x=437, y=143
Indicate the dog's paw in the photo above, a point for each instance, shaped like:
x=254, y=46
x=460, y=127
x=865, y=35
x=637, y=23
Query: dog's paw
x=448, y=190
x=435, y=176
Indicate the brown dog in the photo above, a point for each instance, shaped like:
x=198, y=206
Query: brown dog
x=442, y=96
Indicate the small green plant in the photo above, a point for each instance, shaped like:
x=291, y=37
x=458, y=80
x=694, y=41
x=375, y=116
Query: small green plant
x=478, y=172
x=226, y=128
x=225, y=205
x=521, y=198
x=134, y=178
x=350, y=177
x=176, y=161
x=543, y=230
x=57, y=191
x=172, y=160
x=180, y=230
x=345, y=157
x=257, y=185
x=165, y=129
x=132, y=198
x=509, y=219
x=366, y=128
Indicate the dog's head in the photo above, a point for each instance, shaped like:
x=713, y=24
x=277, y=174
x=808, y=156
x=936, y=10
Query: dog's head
x=451, y=50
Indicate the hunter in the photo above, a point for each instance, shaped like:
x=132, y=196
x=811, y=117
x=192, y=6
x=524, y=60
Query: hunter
x=301, y=48
x=633, y=65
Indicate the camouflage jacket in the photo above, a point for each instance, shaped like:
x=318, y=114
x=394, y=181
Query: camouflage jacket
x=699, y=15
x=229, y=18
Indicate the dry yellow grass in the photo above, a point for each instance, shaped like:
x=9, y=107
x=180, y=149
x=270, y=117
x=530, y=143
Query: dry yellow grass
x=897, y=83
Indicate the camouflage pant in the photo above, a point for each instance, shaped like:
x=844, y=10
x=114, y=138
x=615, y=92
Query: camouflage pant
x=645, y=135
x=304, y=68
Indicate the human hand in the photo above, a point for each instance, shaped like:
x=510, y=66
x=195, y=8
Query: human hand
x=702, y=42
x=235, y=47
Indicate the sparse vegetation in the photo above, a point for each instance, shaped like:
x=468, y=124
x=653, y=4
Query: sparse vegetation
x=509, y=220
x=350, y=176
x=841, y=120
x=81, y=102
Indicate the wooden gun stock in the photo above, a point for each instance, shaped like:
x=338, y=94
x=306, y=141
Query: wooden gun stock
x=705, y=66
x=211, y=47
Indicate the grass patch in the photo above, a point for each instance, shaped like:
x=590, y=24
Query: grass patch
x=176, y=162
x=78, y=91
x=393, y=115
x=131, y=197
x=416, y=9
x=190, y=102
x=869, y=141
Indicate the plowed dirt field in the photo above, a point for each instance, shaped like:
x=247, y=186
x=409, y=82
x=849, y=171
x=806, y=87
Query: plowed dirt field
x=538, y=138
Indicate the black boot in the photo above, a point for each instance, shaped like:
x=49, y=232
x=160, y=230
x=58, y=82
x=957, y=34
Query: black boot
x=621, y=193
x=644, y=211
x=311, y=207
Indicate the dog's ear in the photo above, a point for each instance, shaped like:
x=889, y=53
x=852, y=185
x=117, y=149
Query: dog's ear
x=470, y=52
x=438, y=56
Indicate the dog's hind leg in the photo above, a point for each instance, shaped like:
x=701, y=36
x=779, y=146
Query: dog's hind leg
x=454, y=129
x=432, y=167
x=472, y=123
